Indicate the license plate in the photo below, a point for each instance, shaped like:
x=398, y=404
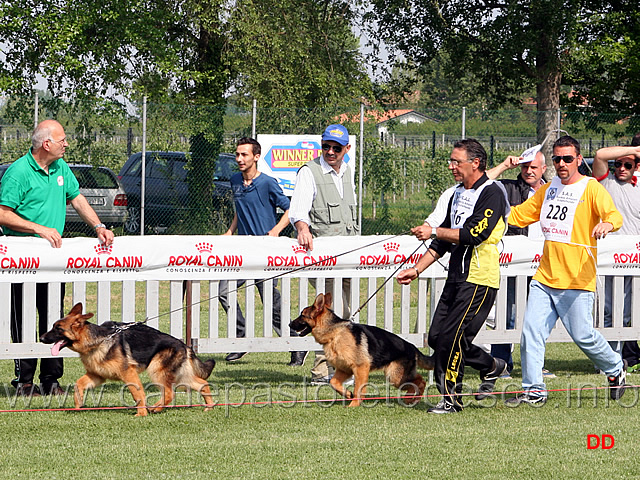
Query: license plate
x=95, y=200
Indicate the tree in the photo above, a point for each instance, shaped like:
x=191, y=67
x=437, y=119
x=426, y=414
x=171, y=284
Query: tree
x=605, y=75
x=298, y=57
x=508, y=45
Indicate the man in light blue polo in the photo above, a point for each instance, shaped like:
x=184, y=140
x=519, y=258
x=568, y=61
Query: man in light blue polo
x=324, y=204
x=34, y=193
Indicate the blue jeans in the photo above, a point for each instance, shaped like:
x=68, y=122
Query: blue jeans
x=575, y=309
x=626, y=315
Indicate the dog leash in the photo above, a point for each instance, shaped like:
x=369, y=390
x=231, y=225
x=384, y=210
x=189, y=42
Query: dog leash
x=289, y=272
x=386, y=280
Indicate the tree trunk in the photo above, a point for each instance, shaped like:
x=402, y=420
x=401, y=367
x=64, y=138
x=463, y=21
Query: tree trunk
x=549, y=78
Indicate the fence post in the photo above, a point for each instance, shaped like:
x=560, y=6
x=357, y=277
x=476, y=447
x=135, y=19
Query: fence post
x=254, y=111
x=129, y=141
x=143, y=178
x=35, y=110
x=464, y=122
x=433, y=144
x=361, y=166
x=491, y=147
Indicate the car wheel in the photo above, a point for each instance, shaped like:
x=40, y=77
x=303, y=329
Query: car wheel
x=132, y=225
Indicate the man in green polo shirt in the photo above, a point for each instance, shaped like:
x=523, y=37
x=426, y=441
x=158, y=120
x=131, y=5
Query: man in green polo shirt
x=34, y=193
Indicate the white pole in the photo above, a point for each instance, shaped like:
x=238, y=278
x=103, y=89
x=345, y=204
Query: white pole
x=144, y=163
x=35, y=112
x=361, y=166
x=464, y=122
x=253, y=118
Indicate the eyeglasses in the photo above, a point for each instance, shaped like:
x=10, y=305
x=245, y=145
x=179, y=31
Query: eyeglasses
x=455, y=163
x=563, y=158
x=627, y=165
x=336, y=148
x=61, y=142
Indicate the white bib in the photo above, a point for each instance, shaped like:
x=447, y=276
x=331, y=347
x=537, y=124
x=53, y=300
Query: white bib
x=464, y=201
x=559, y=209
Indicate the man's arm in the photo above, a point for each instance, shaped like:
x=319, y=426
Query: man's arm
x=15, y=222
x=301, y=201
x=234, y=225
x=275, y=231
x=88, y=214
x=407, y=275
x=603, y=155
x=436, y=218
x=510, y=162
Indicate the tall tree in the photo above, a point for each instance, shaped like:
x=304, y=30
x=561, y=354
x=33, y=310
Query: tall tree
x=509, y=45
x=297, y=57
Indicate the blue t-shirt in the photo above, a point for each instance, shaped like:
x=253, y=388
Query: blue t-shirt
x=256, y=204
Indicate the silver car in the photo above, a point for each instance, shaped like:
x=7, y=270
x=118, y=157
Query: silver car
x=105, y=194
x=102, y=190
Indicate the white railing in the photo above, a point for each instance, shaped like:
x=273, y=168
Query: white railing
x=187, y=307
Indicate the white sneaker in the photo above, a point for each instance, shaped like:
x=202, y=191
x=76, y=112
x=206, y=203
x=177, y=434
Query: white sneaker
x=327, y=379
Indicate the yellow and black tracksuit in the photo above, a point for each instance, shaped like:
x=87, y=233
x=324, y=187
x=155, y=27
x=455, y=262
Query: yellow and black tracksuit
x=471, y=286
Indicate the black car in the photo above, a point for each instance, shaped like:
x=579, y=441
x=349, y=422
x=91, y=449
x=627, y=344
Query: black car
x=167, y=191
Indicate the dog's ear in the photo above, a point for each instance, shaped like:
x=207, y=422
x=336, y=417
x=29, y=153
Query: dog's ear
x=319, y=303
x=77, y=309
x=87, y=316
x=328, y=299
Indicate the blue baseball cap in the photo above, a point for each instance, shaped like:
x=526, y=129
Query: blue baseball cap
x=337, y=133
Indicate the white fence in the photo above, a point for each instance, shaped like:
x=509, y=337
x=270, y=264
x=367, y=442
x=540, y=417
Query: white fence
x=143, y=278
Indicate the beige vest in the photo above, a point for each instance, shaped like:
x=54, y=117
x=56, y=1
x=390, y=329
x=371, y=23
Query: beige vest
x=331, y=215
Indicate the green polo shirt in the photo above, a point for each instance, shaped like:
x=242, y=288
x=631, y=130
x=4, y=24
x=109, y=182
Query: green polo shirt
x=36, y=195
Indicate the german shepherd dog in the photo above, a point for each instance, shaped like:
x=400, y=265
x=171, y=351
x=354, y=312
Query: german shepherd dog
x=356, y=349
x=120, y=351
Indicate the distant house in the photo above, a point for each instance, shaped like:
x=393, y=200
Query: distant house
x=382, y=119
x=402, y=116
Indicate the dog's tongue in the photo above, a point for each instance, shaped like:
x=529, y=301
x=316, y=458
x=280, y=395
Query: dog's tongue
x=55, y=349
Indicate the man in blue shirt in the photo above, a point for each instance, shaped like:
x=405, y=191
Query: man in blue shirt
x=256, y=197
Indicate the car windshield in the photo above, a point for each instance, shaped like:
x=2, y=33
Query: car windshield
x=225, y=167
x=94, y=178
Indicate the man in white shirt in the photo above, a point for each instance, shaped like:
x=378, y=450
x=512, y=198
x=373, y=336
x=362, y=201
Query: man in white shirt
x=324, y=204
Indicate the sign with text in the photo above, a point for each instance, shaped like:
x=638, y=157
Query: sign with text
x=283, y=155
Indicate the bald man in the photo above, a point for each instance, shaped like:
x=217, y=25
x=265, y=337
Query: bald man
x=34, y=193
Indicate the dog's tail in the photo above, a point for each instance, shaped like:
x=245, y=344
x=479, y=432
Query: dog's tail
x=424, y=362
x=202, y=369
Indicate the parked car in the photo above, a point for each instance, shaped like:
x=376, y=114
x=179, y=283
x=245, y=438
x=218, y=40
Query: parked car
x=167, y=190
x=103, y=191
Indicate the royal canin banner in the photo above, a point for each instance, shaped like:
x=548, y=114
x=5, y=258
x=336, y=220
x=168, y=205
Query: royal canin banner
x=30, y=259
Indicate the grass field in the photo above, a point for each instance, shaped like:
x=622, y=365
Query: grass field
x=324, y=440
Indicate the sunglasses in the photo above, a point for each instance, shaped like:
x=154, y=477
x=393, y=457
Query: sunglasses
x=627, y=165
x=336, y=148
x=563, y=158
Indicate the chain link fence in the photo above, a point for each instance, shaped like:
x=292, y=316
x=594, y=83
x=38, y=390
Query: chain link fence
x=189, y=152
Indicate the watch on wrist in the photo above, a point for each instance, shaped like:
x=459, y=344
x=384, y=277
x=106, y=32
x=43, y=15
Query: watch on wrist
x=434, y=234
x=100, y=225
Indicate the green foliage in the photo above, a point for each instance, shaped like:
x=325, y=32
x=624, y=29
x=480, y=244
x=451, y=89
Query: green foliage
x=500, y=52
x=297, y=57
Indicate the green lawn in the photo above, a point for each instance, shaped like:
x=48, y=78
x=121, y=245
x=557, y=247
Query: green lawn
x=323, y=440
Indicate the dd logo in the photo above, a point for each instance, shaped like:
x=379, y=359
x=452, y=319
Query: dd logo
x=605, y=442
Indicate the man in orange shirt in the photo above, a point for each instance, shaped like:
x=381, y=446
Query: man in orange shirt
x=574, y=211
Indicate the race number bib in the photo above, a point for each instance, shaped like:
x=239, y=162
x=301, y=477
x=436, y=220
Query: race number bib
x=559, y=209
x=464, y=201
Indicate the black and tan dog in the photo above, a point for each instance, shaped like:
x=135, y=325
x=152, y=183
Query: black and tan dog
x=356, y=349
x=120, y=351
